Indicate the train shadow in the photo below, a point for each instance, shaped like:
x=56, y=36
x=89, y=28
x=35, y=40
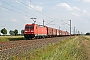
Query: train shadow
x=16, y=39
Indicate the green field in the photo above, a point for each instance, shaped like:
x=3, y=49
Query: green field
x=11, y=38
x=76, y=48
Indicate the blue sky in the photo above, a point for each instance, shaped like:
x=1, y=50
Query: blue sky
x=14, y=14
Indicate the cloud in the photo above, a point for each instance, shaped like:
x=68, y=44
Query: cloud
x=14, y=20
x=76, y=8
x=68, y=7
x=40, y=21
x=77, y=0
x=79, y=14
x=84, y=11
x=86, y=0
x=26, y=18
x=83, y=0
x=75, y=14
x=18, y=1
x=72, y=9
x=38, y=8
x=0, y=4
x=64, y=5
x=41, y=3
x=1, y=7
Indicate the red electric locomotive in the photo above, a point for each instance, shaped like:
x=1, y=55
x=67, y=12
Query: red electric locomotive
x=34, y=30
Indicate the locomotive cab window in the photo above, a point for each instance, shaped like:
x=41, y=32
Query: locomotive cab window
x=29, y=27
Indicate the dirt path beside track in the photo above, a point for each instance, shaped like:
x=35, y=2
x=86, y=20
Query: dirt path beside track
x=86, y=43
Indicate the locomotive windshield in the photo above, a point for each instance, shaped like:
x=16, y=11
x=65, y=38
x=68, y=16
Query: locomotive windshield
x=29, y=27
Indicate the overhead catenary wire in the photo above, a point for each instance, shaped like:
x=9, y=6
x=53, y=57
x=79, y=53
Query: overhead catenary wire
x=52, y=18
x=39, y=11
x=12, y=10
x=16, y=8
x=30, y=7
x=19, y=9
x=34, y=9
x=50, y=15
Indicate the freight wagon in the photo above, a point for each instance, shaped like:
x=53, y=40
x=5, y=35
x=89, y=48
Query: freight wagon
x=49, y=31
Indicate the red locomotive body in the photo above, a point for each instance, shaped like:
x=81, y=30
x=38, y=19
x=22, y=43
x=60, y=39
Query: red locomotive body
x=41, y=31
x=34, y=30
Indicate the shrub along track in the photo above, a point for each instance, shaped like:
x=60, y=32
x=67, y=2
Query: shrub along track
x=16, y=48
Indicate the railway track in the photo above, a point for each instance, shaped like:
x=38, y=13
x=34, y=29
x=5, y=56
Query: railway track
x=15, y=48
x=19, y=43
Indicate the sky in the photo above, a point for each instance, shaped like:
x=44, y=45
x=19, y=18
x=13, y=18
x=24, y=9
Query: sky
x=14, y=14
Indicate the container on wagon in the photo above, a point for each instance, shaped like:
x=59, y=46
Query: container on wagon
x=49, y=31
x=54, y=32
x=58, y=32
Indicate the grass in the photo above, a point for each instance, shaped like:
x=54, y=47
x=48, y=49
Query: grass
x=70, y=49
x=10, y=38
x=86, y=37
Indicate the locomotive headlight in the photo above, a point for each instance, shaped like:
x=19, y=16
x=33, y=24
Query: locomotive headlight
x=26, y=31
x=32, y=31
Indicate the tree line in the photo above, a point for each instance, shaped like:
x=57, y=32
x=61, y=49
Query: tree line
x=11, y=32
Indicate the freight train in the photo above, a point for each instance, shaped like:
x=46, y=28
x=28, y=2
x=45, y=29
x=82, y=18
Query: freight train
x=39, y=31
